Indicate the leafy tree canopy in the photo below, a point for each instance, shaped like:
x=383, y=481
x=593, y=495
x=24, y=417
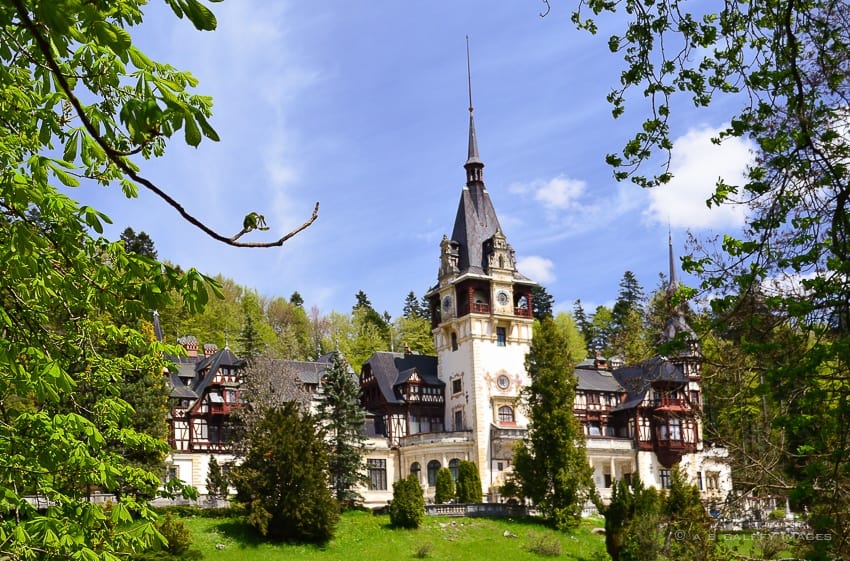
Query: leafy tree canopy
x=783, y=67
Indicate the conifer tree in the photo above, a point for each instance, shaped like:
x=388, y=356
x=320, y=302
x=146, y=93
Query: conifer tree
x=541, y=302
x=445, y=488
x=468, y=483
x=217, y=482
x=342, y=417
x=408, y=505
x=551, y=465
x=283, y=481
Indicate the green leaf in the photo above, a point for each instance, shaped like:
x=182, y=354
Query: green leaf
x=207, y=129
x=70, y=152
x=191, y=131
x=200, y=16
x=66, y=178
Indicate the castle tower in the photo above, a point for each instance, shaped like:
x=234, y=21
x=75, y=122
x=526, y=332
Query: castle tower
x=482, y=326
x=684, y=345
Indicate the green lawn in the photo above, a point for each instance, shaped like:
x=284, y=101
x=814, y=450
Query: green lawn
x=363, y=537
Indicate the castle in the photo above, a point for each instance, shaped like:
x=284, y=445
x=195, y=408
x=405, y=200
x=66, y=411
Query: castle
x=428, y=412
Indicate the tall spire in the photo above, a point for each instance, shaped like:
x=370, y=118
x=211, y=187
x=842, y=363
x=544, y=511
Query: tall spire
x=674, y=279
x=474, y=166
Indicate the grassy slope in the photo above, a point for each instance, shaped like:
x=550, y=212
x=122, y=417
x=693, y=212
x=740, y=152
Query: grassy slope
x=364, y=537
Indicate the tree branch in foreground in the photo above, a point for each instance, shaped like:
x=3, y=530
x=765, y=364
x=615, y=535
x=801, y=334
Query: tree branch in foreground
x=117, y=158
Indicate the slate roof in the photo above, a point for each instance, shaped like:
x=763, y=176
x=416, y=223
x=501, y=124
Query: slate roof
x=179, y=389
x=475, y=223
x=637, y=380
x=224, y=357
x=592, y=379
x=392, y=369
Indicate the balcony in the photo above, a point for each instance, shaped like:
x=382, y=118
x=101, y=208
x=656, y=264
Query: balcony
x=522, y=312
x=674, y=445
x=511, y=433
x=436, y=437
x=221, y=408
x=476, y=308
x=670, y=403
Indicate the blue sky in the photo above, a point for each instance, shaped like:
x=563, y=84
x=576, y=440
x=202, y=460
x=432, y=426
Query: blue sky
x=362, y=106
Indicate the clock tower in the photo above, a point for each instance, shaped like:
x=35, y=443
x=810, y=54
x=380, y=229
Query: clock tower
x=482, y=327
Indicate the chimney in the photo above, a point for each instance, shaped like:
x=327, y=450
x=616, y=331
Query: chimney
x=210, y=349
x=190, y=343
x=407, y=350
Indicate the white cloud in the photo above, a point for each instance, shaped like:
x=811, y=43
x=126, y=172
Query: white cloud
x=559, y=192
x=537, y=268
x=696, y=165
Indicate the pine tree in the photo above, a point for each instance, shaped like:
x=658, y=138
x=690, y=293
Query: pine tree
x=249, y=344
x=582, y=322
x=541, y=302
x=630, y=297
x=411, y=308
x=342, y=416
x=283, y=481
x=140, y=244
x=551, y=465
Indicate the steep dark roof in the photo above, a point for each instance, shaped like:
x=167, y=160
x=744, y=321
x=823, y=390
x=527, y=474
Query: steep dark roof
x=223, y=358
x=637, y=380
x=179, y=390
x=592, y=379
x=475, y=223
x=391, y=369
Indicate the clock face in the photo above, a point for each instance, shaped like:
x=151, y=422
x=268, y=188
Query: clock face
x=503, y=297
x=447, y=303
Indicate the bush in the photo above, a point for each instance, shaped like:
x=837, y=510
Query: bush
x=424, y=550
x=546, y=544
x=445, y=486
x=179, y=543
x=408, y=505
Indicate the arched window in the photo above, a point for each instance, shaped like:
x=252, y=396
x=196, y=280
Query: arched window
x=506, y=414
x=416, y=469
x=433, y=468
x=454, y=464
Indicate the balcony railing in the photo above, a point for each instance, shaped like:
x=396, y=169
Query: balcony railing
x=433, y=437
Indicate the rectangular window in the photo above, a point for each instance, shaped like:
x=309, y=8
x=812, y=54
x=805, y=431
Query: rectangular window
x=593, y=429
x=459, y=419
x=675, y=429
x=501, y=337
x=377, y=474
x=457, y=385
x=699, y=480
x=665, y=478
x=608, y=480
